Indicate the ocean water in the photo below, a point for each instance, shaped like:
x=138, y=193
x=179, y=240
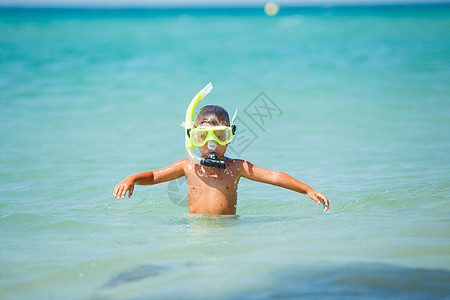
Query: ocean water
x=353, y=101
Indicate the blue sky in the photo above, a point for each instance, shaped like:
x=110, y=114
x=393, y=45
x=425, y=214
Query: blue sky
x=153, y=3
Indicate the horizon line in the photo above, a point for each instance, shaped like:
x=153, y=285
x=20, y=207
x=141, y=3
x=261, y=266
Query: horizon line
x=228, y=6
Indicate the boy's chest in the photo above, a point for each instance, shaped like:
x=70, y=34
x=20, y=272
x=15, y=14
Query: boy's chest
x=222, y=180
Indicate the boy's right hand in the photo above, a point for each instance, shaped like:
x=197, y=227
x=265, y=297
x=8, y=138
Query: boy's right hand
x=121, y=189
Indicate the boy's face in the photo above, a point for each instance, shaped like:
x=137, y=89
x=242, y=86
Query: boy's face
x=220, y=150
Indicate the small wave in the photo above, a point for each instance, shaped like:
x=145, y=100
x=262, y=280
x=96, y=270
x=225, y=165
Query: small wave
x=22, y=218
x=68, y=225
x=38, y=222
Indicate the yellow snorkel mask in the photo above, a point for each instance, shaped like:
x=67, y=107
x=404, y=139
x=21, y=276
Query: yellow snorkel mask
x=201, y=135
x=220, y=134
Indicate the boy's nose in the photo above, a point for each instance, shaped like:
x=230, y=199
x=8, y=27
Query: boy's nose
x=212, y=145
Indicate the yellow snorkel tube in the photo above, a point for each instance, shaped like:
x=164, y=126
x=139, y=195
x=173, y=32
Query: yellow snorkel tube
x=211, y=161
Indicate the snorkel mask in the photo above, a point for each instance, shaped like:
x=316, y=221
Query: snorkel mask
x=220, y=134
x=201, y=135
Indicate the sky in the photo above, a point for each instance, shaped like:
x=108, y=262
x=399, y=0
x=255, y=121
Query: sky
x=193, y=3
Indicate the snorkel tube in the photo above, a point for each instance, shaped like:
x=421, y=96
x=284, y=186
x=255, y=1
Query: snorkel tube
x=213, y=159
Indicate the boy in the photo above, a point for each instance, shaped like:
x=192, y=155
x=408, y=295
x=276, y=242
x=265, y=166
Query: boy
x=212, y=183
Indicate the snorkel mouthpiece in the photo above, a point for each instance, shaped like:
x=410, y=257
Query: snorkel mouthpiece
x=213, y=159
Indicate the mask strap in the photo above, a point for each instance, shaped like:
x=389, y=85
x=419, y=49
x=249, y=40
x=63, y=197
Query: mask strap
x=234, y=117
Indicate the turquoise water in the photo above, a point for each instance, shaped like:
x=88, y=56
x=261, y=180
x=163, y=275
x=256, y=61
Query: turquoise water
x=362, y=115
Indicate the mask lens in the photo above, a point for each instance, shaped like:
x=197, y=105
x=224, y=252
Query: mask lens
x=199, y=136
x=222, y=135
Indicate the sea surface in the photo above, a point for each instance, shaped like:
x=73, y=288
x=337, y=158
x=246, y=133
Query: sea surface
x=353, y=101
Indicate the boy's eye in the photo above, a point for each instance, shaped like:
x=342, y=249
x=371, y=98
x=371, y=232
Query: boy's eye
x=202, y=135
x=221, y=135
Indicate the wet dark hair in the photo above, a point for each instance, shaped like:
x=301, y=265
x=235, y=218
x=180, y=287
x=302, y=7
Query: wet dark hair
x=213, y=114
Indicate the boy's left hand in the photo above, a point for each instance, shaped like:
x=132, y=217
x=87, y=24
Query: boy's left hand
x=319, y=198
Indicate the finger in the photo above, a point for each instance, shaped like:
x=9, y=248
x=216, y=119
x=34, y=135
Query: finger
x=326, y=204
x=124, y=191
x=119, y=191
x=127, y=188
x=116, y=189
x=131, y=191
x=320, y=197
x=325, y=200
x=317, y=199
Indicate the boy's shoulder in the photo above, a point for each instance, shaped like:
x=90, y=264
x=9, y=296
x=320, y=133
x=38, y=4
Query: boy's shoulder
x=237, y=163
x=237, y=160
x=182, y=163
x=231, y=160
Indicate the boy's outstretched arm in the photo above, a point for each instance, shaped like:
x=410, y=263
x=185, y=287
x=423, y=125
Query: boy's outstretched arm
x=250, y=171
x=171, y=172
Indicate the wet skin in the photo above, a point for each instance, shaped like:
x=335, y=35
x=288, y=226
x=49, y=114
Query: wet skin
x=213, y=190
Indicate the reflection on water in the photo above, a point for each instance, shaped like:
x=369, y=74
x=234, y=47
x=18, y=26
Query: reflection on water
x=362, y=280
x=342, y=281
x=138, y=273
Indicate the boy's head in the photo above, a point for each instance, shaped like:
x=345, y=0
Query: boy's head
x=210, y=116
x=214, y=115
